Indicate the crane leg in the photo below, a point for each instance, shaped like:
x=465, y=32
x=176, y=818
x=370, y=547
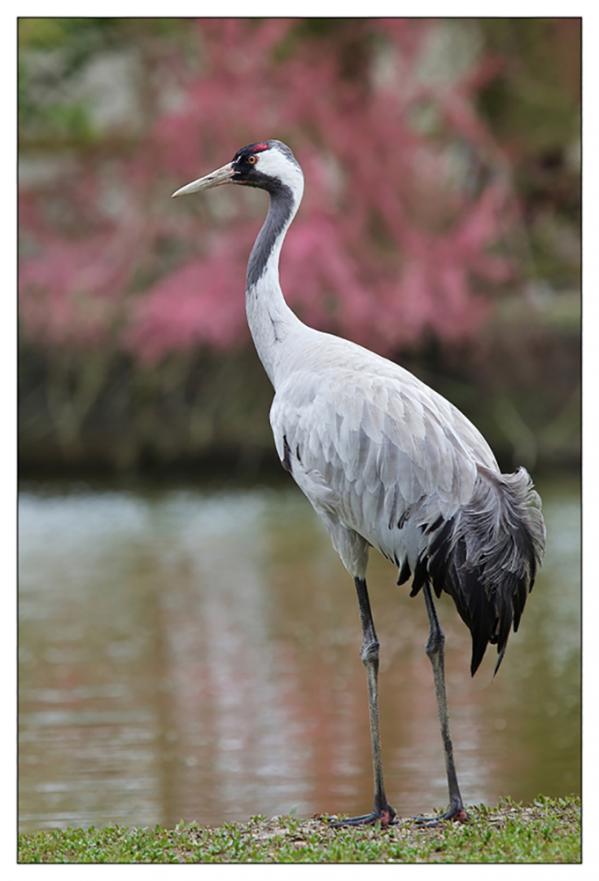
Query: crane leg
x=382, y=811
x=435, y=651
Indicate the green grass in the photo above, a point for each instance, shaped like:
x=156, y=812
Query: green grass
x=546, y=831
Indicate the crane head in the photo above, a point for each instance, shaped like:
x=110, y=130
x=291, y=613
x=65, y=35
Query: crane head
x=268, y=165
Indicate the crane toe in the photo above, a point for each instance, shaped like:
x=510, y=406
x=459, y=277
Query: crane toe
x=455, y=812
x=385, y=816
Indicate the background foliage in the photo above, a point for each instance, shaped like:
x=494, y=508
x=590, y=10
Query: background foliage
x=440, y=224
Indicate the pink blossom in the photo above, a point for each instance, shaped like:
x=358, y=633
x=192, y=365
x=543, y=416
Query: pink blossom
x=385, y=249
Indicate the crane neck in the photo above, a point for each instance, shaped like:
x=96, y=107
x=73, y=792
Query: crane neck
x=270, y=319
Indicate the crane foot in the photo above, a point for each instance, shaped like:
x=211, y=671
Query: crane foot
x=385, y=816
x=456, y=812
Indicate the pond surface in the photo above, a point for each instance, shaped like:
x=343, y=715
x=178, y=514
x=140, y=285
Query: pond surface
x=194, y=654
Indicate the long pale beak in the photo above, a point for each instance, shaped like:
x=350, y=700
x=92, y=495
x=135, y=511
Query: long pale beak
x=216, y=178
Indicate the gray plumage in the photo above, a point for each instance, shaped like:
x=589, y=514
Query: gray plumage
x=386, y=463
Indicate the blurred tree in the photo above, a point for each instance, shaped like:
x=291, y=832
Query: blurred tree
x=391, y=242
x=413, y=221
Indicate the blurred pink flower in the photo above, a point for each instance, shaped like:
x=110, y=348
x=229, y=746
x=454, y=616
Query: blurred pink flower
x=387, y=246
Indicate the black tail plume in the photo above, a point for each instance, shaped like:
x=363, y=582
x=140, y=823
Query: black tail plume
x=486, y=557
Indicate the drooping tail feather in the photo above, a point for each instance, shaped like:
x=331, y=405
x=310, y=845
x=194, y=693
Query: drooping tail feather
x=486, y=557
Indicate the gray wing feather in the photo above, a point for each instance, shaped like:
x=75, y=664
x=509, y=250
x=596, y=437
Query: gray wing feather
x=376, y=449
x=386, y=461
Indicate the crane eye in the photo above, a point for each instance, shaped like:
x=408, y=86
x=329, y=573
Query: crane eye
x=252, y=159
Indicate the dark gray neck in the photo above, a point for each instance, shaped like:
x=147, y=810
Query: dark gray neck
x=279, y=214
x=271, y=321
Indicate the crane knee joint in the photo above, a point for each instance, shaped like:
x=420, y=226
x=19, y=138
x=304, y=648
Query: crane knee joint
x=435, y=643
x=370, y=652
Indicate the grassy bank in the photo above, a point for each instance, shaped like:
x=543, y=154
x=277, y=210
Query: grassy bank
x=200, y=411
x=546, y=831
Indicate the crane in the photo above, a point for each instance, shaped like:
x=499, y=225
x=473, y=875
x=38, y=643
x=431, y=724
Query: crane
x=387, y=463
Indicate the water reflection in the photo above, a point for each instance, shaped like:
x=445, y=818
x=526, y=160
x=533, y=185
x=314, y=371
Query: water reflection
x=195, y=655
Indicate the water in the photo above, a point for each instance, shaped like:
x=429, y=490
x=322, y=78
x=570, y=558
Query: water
x=194, y=654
